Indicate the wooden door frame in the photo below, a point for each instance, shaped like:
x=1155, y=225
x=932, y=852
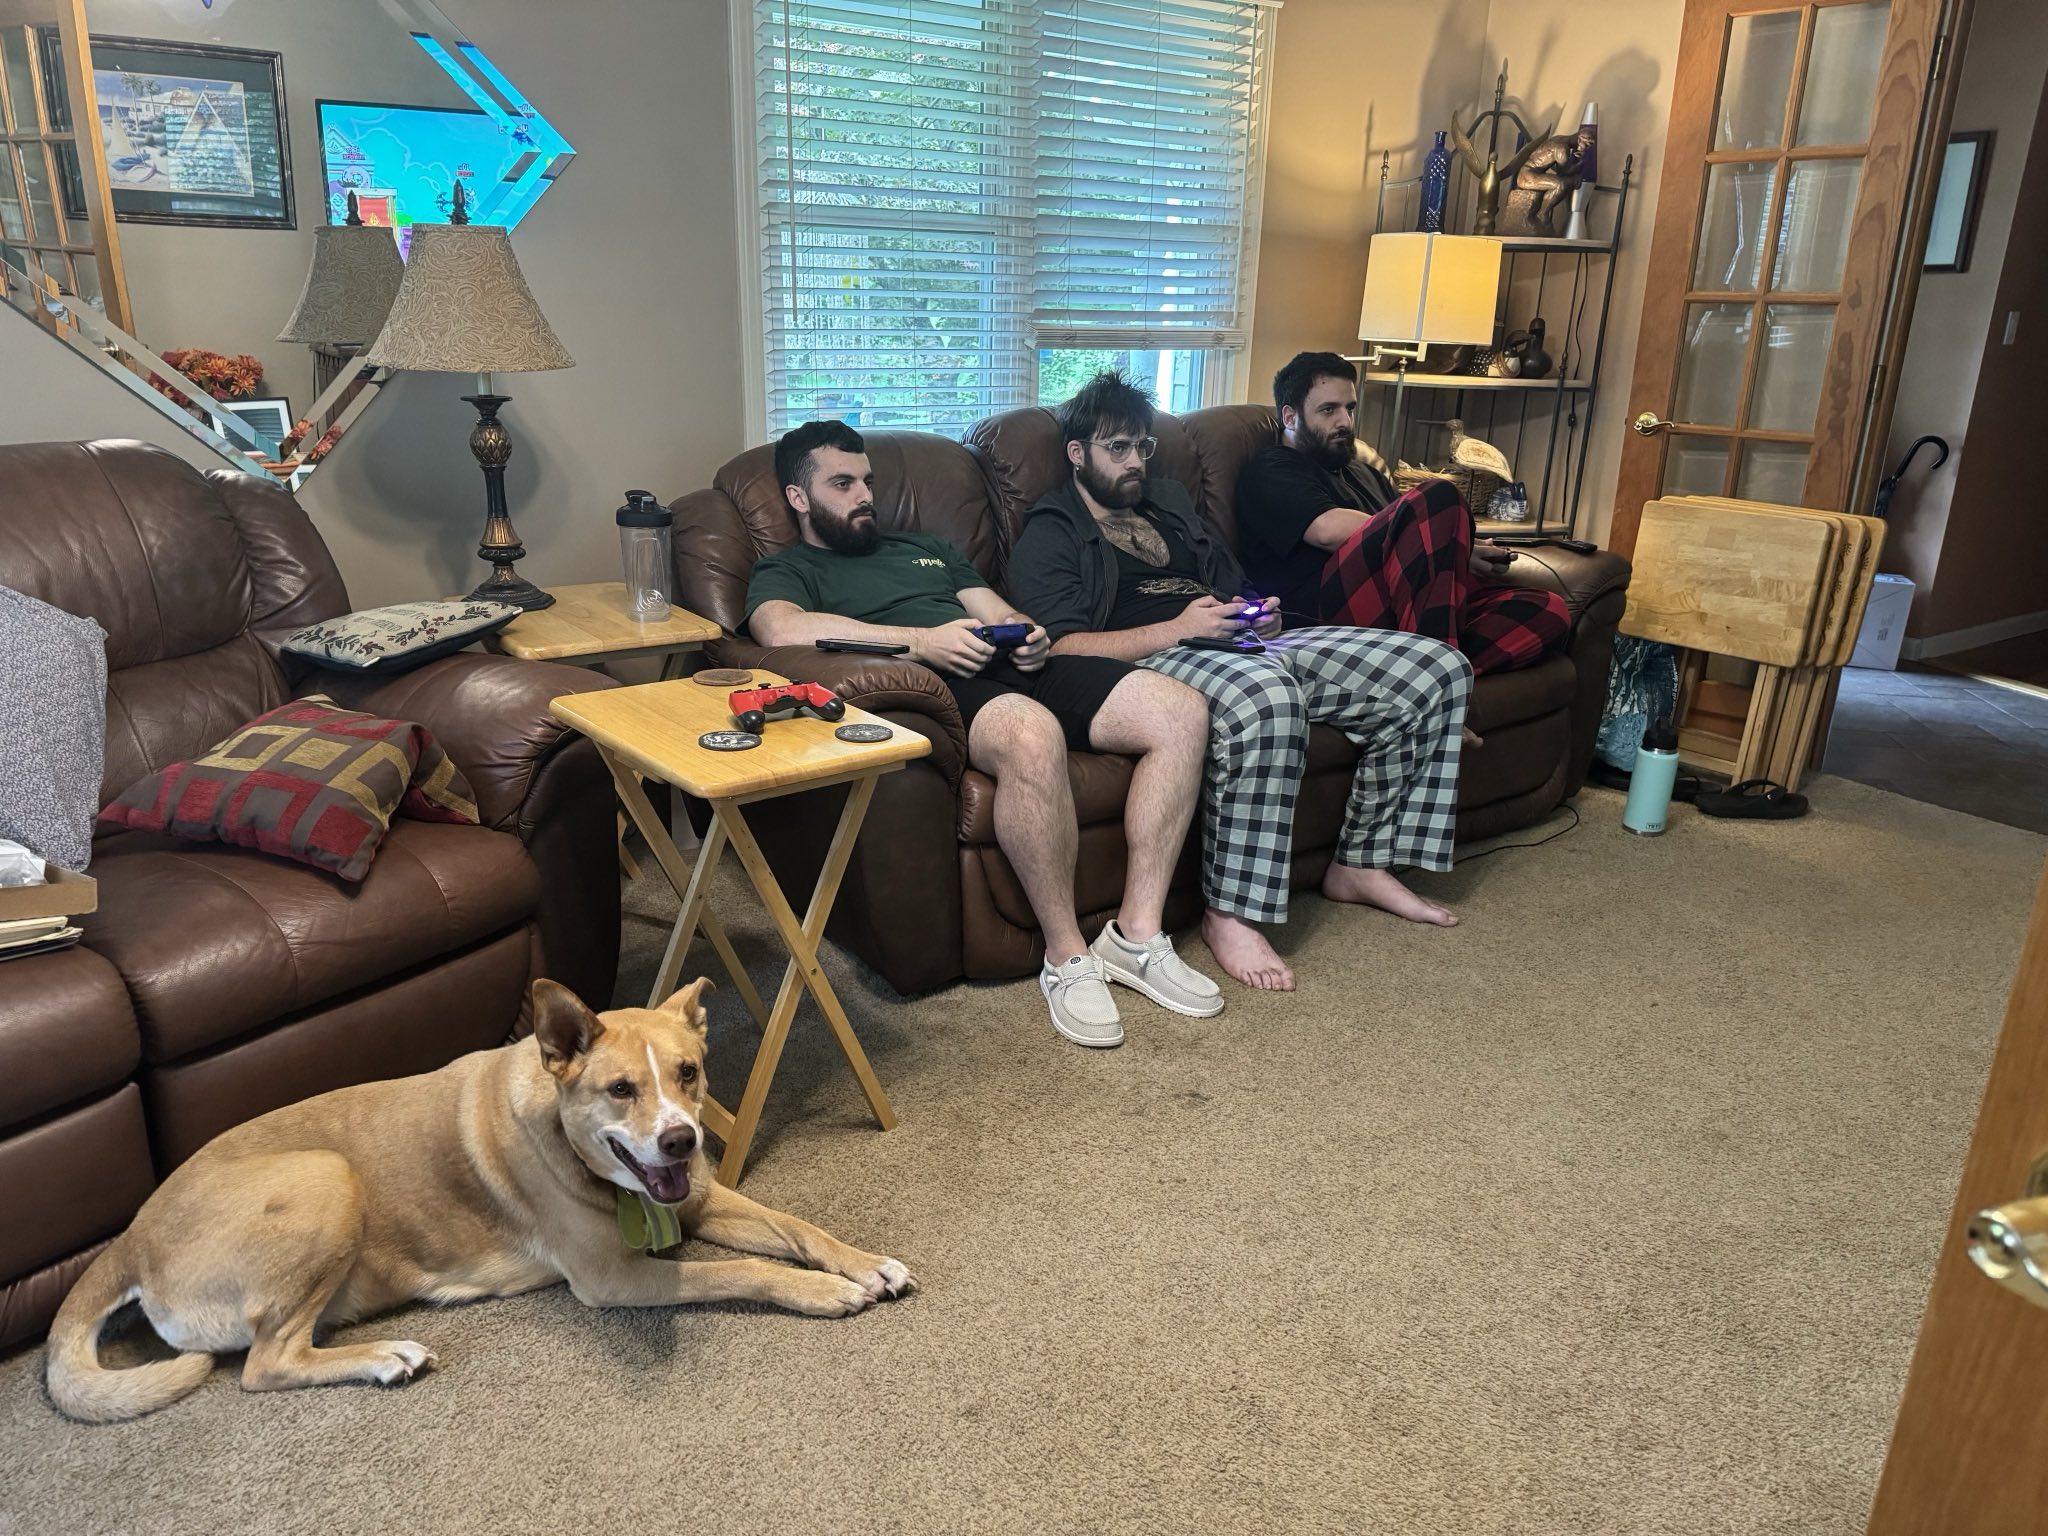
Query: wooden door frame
x=1851, y=381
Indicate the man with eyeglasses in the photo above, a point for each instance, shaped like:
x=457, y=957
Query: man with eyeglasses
x=846, y=579
x=1118, y=564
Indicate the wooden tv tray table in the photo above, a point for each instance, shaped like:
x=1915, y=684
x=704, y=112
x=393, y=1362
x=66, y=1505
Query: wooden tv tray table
x=652, y=730
x=588, y=626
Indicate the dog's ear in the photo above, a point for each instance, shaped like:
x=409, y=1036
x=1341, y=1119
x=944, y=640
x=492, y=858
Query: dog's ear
x=688, y=1004
x=562, y=1026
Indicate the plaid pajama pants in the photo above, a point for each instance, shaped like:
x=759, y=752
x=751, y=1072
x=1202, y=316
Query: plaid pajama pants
x=1410, y=568
x=1401, y=698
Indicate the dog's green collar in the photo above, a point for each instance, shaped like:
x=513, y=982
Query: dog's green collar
x=645, y=1223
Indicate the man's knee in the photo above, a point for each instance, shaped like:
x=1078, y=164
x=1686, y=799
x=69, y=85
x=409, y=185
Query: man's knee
x=1265, y=704
x=1016, y=735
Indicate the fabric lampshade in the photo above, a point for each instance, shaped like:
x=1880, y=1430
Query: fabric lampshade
x=464, y=307
x=1430, y=288
x=349, y=288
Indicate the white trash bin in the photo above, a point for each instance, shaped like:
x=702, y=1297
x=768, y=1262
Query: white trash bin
x=1884, y=624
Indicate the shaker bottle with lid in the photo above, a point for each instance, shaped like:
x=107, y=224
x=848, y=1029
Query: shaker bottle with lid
x=645, y=532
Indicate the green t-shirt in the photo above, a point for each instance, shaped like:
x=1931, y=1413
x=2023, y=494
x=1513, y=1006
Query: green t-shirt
x=910, y=579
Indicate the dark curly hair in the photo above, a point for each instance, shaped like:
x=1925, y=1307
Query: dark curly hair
x=1303, y=372
x=1107, y=402
x=794, y=448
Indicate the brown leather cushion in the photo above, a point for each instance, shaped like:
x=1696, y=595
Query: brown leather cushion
x=1101, y=780
x=66, y=1030
x=65, y=1184
x=214, y=941
x=1506, y=698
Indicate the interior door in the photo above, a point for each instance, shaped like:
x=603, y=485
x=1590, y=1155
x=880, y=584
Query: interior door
x=54, y=204
x=1787, y=167
x=1969, y=1454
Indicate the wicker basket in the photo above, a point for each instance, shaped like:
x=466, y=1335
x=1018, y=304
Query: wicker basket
x=1475, y=485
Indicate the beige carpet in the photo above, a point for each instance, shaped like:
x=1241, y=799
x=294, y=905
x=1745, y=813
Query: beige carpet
x=1612, y=1211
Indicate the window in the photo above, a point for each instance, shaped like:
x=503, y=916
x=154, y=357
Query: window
x=968, y=205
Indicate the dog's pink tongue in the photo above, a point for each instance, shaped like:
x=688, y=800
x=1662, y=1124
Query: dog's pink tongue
x=669, y=1184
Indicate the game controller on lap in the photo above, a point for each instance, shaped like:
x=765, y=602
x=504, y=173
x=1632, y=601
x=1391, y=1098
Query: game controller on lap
x=753, y=708
x=1004, y=637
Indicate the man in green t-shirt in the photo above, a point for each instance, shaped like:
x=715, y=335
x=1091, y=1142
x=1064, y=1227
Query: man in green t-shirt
x=848, y=580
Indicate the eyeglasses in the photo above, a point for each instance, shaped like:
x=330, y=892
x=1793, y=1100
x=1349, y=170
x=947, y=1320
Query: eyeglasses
x=1120, y=448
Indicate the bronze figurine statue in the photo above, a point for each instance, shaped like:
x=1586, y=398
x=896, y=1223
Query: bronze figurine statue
x=1545, y=183
x=1488, y=170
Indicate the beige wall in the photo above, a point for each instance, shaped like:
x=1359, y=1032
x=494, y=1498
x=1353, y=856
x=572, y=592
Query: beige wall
x=1355, y=77
x=632, y=257
x=1958, y=316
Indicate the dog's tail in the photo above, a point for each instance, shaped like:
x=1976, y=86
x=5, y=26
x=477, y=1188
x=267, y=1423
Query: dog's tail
x=79, y=1384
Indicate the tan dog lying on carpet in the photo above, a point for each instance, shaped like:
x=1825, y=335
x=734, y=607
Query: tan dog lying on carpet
x=497, y=1174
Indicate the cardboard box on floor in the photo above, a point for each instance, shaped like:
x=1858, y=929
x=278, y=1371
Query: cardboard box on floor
x=62, y=894
x=1784, y=588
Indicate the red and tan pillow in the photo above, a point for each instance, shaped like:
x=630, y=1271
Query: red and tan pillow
x=308, y=781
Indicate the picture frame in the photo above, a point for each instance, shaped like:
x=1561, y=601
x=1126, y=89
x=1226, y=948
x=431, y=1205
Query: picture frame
x=194, y=134
x=1958, y=198
x=268, y=416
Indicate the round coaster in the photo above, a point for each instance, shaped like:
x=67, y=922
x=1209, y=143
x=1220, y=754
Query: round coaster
x=728, y=741
x=861, y=732
x=725, y=677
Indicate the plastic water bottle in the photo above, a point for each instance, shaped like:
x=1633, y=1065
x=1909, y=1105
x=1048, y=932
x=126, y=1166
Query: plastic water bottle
x=645, y=530
x=1650, y=785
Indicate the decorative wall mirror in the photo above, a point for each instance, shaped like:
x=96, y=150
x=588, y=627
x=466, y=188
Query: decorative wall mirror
x=228, y=241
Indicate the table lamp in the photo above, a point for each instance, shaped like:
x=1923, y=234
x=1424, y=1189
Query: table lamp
x=464, y=307
x=1425, y=289
x=349, y=290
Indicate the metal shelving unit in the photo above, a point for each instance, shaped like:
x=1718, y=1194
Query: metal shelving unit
x=1548, y=452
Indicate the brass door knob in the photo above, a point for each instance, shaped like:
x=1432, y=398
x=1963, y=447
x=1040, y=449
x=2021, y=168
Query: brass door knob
x=1650, y=423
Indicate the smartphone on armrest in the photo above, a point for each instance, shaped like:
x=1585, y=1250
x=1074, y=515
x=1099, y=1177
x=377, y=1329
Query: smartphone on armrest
x=864, y=647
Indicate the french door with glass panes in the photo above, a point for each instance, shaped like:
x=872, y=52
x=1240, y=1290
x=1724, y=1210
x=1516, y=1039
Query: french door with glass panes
x=1787, y=168
x=56, y=215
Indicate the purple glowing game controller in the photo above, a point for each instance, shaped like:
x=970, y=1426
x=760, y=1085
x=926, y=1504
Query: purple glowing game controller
x=1004, y=637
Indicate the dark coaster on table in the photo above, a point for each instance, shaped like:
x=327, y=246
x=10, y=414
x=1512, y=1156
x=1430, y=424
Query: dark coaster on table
x=861, y=732
x=725, y=677
x=728, y=741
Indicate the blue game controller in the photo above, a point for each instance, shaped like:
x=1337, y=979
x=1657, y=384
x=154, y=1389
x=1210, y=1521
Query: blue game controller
x=1004, y=637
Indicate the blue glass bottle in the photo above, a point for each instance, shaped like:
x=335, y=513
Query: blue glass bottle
x=1436, y=182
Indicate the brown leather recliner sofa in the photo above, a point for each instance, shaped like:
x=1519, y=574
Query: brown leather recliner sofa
x=929, y=897
x=216, y=983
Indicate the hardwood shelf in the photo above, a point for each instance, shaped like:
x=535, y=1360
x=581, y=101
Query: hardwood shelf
x=1463, y=381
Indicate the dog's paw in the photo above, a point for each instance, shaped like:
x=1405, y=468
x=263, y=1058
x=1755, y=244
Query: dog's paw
x=888, y=1279
x=401, y=1361
x=818, y=1294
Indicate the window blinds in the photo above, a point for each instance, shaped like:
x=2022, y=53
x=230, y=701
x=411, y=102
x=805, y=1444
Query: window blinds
x=948, y=185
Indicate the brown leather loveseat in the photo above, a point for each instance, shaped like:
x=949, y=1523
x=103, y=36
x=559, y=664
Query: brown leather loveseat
x=929, y=896
x=216, y=983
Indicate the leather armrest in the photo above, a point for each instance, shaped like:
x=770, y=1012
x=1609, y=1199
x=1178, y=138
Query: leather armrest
x=490, y=713
x=882, y=685
x=1583, y=579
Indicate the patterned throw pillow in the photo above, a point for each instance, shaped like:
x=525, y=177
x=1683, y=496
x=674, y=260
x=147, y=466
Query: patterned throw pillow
x=308, y=781
x=400, y=637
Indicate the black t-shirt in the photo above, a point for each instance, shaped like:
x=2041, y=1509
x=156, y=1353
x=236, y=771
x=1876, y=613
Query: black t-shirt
x=1280, y=491
x=1151, y=594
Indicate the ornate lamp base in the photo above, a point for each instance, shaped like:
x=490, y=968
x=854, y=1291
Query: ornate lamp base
x=492, y=445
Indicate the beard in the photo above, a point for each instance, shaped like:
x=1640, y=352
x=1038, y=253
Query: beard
x=850, y=533
x=1332, y=450
x=1117, y=490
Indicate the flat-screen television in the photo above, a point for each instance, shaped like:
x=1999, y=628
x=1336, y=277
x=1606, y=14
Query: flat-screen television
x=402, y=162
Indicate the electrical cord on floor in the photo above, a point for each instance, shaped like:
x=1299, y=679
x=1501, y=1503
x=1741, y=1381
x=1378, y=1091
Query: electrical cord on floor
x=1509, y=847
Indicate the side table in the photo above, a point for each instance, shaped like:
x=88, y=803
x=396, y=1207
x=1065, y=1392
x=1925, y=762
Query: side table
x=588, y=626
x=652, y=730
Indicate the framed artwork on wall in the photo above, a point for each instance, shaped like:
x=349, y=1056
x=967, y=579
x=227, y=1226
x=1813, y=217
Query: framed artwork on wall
x=194, y=134
x=269, y=417
x=1957, y=201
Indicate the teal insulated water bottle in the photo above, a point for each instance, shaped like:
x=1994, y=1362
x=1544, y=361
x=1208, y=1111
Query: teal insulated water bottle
x=1649, y=787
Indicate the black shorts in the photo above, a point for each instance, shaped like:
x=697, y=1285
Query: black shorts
x=1073, y=688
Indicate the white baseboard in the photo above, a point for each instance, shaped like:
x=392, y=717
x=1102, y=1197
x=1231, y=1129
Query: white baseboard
x=1921, y=647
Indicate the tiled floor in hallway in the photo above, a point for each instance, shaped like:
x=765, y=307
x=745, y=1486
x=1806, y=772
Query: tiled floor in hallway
x=1947, y=740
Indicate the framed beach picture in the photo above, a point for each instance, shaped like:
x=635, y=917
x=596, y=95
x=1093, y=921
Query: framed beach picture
x=1953, y=228
x=194, y=134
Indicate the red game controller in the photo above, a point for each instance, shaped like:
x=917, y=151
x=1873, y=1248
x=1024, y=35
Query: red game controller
x=752, y=708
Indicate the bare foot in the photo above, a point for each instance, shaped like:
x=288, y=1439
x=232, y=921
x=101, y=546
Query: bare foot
x=1241, y=949
x=1472, y=737
x=1379, y=888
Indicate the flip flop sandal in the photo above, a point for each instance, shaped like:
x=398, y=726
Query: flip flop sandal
x=1774, y=803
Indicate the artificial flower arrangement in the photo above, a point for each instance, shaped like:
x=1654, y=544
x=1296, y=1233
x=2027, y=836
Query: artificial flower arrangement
x=224, y=378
